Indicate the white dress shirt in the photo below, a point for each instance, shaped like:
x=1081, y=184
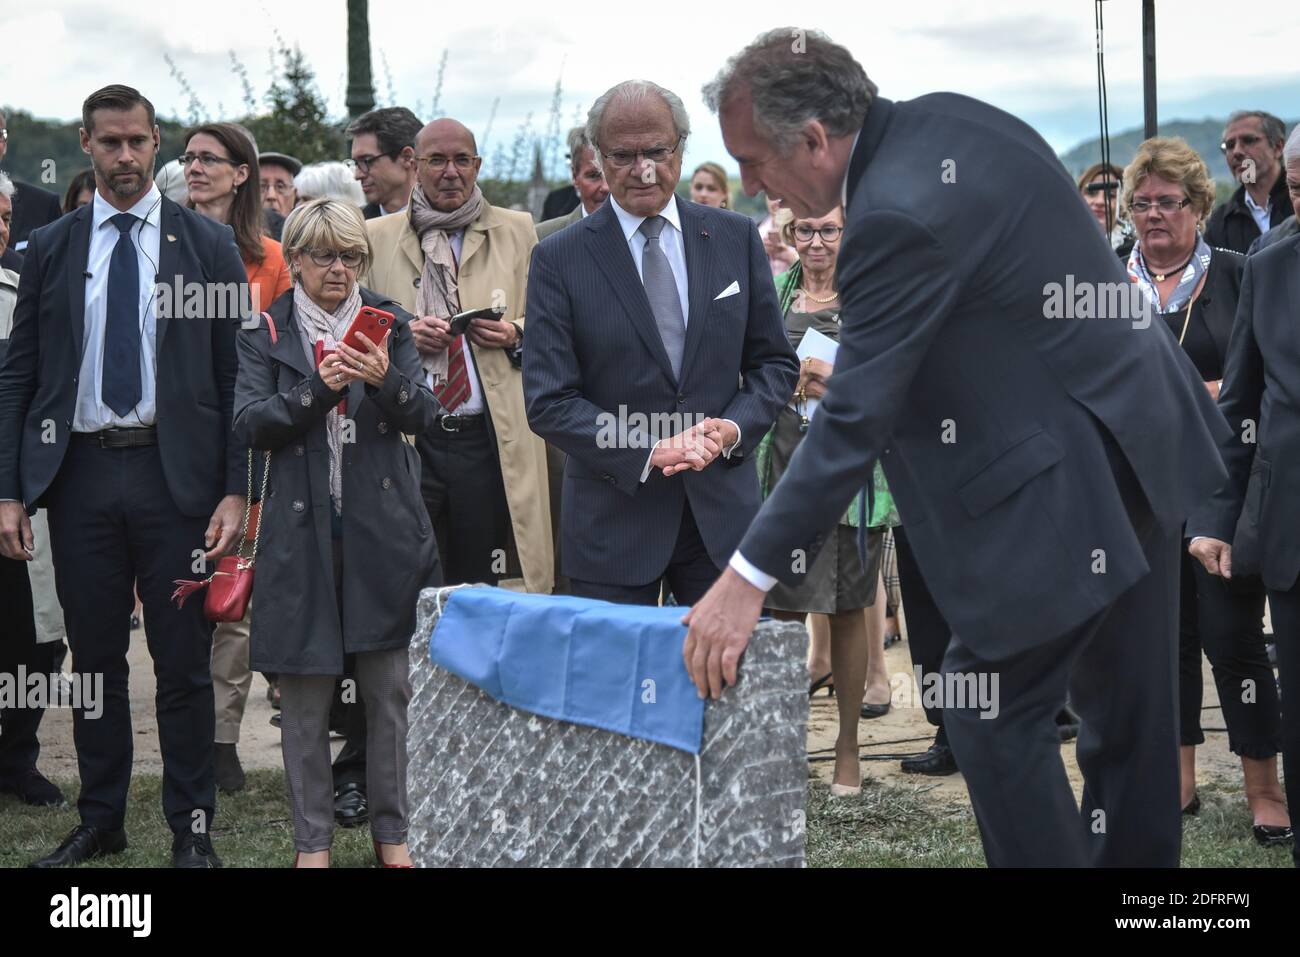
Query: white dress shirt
x=91, y=414
x=674, y=247
x=743, y=567
x=1258, y=213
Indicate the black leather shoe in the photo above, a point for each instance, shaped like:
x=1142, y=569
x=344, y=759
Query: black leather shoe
x=870, y=710
x=937, y=760
x=84, y=844
x=33, y=788
x=194, y=851
x=350, y=806
x=230, y=774
x=1271, y=835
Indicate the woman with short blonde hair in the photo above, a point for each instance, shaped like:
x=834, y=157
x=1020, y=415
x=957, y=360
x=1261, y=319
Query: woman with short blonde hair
x=304, y=395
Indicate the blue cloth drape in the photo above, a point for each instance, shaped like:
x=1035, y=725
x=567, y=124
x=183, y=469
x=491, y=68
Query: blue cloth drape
x=615, y=667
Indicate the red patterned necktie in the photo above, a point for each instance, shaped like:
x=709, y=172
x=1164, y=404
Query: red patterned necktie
x=456, y=389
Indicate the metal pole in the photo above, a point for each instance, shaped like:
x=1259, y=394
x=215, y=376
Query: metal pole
x=1149, y=67
x=361, y=94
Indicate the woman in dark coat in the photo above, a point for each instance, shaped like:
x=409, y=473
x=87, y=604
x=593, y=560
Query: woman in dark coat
x=346, y=543
x=1194, y=287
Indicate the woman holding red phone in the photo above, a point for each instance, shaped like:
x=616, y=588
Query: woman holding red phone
x=345, y=544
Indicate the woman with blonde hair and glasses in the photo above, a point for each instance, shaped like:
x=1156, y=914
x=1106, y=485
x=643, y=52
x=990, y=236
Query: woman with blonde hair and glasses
x=346, y=543
x=1194, y=288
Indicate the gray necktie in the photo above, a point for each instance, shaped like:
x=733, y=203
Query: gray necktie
x=661, y=290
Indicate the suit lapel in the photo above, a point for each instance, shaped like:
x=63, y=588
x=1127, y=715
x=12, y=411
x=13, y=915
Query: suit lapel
x=1294, y=312
x=409, y=244
x=475, y=233
x=608, y=247
x=79, y=255
x=169, y=248
x=873, y=131
x=699, y=278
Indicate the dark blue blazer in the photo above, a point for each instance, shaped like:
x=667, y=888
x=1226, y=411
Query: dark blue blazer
x=1261, y=401
x=989, y=417
x=593, y=349
x=201, y=458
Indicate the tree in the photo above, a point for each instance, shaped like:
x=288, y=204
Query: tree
x=297, y=123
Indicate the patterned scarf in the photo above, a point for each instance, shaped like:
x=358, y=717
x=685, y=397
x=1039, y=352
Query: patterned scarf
x=315, y=324
x=438, y=293
x=1191, y=278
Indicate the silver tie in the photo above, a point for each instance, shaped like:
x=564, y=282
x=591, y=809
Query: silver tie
x=661, y=290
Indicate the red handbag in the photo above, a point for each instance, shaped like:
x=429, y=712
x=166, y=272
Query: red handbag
x=231, y=586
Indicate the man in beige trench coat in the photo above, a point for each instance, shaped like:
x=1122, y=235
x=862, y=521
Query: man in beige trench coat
x=485, y=479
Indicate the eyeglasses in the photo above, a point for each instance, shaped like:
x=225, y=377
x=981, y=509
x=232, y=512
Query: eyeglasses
x=284, y=189
x=324, y=258
x=622, y=159
x=364, y=163
x=829, y=234
x=207, y=160
x=1246, y=139
x=438, y=162
x=1109, y=186
x=1166, y=206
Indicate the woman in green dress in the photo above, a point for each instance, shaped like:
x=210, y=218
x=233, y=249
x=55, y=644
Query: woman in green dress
x=837, y=587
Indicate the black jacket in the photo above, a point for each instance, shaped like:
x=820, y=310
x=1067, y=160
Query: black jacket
x=989, y=416
x=1232, y=227
x=202, y=460
x=33, y=208
x=388, y=546
x=1261, y=385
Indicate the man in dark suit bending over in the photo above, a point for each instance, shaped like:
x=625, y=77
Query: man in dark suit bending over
x=115, y=416
x=657, y=359
x=1043, y=467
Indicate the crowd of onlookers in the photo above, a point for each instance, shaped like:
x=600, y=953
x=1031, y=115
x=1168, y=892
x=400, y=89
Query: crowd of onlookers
x=454, y=467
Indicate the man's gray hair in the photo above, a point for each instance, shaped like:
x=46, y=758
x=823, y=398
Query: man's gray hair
x=6, y=186
x=577, y=142
x=633, y=91
x=1273, y=128
x=1291, y=151
x=795, y=76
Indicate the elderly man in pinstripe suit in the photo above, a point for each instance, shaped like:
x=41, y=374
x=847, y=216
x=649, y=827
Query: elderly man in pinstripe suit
x=657, y=359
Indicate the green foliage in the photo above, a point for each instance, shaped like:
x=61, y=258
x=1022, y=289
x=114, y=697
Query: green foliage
x=297, y=122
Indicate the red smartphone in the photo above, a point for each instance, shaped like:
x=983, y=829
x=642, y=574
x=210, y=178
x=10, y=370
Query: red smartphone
x=373, y=322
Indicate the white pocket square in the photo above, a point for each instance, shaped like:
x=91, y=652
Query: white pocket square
x=732, y=290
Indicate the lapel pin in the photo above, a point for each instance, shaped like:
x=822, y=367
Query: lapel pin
x=704, y=233
x=171, y=238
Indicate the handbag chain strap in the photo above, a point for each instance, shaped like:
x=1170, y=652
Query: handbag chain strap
x=248, y=505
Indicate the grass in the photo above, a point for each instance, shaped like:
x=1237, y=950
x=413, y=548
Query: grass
x=887, y=826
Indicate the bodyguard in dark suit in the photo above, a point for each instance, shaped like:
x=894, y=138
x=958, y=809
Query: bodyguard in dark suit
x=1042, y=467
x=656, y=359
x=115, y=415
x=1261, y=381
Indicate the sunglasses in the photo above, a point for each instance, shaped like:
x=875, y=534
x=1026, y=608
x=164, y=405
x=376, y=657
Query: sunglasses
x=1109, y=187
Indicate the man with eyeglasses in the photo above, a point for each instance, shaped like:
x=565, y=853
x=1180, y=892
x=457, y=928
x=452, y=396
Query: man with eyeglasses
x=657, y=361
x=32, y=207
x=276, y=172
x=1252, y=147
x=383, y=158
x=484, y=472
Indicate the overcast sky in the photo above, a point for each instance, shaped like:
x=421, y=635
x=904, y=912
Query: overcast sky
x=1034, y=58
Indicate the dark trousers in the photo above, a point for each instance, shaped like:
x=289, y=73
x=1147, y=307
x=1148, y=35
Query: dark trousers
x=19, y=747
x=460, y=480
x=1285, y=606
x=1226, y=619
x=114, y=526
x=690, y=573
x=927, y=631
x=1120, y=672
